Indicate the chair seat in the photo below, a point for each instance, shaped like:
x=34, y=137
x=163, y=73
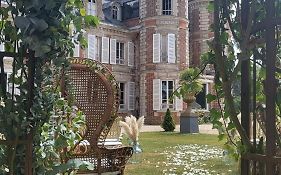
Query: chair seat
x=111, y=142
x=84, y=145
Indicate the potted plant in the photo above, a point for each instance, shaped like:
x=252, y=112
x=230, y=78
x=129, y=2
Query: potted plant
x=189, y=86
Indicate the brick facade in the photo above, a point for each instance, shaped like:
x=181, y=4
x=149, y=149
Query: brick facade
x=149, y=101
x=150, y=8
x=182, y=48
x=182, y=8
x=200, y=21
x=149, y=45
x=140, y=31
x=163, y=25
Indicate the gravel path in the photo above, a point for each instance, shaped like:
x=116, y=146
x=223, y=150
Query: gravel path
x=203, y=129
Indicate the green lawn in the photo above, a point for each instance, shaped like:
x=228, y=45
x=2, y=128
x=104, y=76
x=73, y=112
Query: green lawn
x=181, y=154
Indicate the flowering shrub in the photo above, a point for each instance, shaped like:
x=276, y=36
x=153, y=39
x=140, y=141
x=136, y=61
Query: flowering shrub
x=191, y=159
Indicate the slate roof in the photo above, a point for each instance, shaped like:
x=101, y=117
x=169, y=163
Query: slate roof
x=129, y=8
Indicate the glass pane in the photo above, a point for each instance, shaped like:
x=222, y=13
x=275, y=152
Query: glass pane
x=122, y=86
x=164, y=90
x=121, y=50
x=163, y=6
x=169, y=5
x=171, y=84
x=122, y=93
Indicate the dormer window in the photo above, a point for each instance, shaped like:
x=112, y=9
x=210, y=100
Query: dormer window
x=167, y=7
x=116, y=13
x=91, y=7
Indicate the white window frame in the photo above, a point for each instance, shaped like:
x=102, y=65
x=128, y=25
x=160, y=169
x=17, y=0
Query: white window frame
x=167, y=105
x=120, y=53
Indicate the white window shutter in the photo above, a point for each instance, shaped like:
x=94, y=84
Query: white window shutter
x=131, y=54
x=131, y=96
x=179, y=101
x=9, y=86
x=171, y=48
x=186, y=10
x=156, y=48
x=105, y=50
x=2, y=47
x=91, y=9
x=76, y=51
x=91, y=47
x=156, y=94
x=112, y=51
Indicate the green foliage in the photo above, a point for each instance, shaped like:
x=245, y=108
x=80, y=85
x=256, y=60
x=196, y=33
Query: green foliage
x=60, y=133
x=168, y=123
x=232, y=44
x=189, y=82
x=43, y=30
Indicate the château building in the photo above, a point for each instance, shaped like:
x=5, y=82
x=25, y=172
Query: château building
x=146, y=43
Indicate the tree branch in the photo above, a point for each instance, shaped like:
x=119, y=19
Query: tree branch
x=261, y=25
x=230, y=23
x=226, y=84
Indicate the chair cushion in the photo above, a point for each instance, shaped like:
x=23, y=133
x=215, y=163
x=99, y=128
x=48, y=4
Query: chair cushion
x=111, y=142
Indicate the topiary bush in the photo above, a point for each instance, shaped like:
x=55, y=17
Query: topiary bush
x=168, y=123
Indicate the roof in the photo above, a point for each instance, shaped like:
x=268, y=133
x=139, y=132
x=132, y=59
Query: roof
x=129, y=8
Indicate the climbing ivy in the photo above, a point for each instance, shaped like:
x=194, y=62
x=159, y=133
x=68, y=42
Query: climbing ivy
x=41, y=34
x=239, y=30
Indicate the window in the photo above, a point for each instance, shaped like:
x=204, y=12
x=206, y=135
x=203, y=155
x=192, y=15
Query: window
x=2, y=47
x=98, y=47
x=164, y=48
x=167, y=88
x=119, y=53
x=201, y=97
x=7, y=81
x=122, y=96
x=167, y=7
x=114, y=12
x=9, y=84
x=91, y=9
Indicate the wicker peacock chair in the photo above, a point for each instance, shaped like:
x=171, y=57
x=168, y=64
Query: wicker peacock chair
x=96, y=95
